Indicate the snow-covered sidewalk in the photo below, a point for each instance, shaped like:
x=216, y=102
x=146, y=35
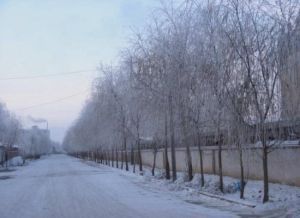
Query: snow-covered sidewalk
x=284, y=200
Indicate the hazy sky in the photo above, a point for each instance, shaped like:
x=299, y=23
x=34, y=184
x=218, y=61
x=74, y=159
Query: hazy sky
x=41, y=37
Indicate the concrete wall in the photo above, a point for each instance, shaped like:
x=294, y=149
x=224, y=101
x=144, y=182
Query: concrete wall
x=284, y=162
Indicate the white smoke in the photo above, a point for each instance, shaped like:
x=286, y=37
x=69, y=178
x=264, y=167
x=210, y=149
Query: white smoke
x=36, y=120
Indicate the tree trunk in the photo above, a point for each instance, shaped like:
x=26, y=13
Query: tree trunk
x=122, y=160
x=186, y=142
x=265, y=163
x=126, y=160
x=126, y=157
x=201, y=158
x=140, y=156
x=154, y=163
x=125, y=143
x=242, y=179
x=112, y=157
x=131, y=155
x=108, y=157
x=201, y=166
x=134, y=158
x=266, y=177
x=189, y=162
x=172, y=133
x=117, y=158
x=97, y=158
x=220, y=167
x=167, y=166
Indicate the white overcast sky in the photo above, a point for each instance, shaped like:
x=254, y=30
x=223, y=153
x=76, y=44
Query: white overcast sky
x=39, y=37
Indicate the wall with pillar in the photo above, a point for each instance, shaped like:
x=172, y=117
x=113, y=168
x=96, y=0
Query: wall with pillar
x=283, y=165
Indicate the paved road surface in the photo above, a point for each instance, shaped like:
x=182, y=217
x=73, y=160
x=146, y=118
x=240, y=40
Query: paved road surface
x=61, y=186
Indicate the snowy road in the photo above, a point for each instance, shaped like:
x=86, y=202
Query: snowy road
x=61, y=186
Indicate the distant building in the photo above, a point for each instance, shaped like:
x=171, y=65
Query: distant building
x=35, y=141
x=26, y=134
x=290, y=72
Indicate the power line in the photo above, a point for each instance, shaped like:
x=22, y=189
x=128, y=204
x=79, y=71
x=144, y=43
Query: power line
x=53, y=102
x=47, y=75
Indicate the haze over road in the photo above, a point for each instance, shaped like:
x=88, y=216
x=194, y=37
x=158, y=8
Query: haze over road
x=62, y=186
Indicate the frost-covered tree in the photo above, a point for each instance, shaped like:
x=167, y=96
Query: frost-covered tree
x=199, y=68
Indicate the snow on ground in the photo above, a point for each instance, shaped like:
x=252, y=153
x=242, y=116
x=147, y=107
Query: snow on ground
x=16, y=161
x=284, y=199
x=62, y=186
x=12, y=163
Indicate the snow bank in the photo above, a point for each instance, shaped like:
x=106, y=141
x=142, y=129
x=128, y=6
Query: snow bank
x=16, y=161
x=282, y=197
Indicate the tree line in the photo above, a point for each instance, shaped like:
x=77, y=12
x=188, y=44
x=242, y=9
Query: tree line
x=31, y=143
x=198, y=68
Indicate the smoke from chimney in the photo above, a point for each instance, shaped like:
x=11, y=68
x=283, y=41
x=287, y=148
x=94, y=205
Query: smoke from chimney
x=37, y=120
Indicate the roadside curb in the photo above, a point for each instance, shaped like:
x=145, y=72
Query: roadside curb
x=243, y=203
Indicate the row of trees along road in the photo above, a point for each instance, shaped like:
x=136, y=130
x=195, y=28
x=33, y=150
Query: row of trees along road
x=9, y=127
x=199, y=67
